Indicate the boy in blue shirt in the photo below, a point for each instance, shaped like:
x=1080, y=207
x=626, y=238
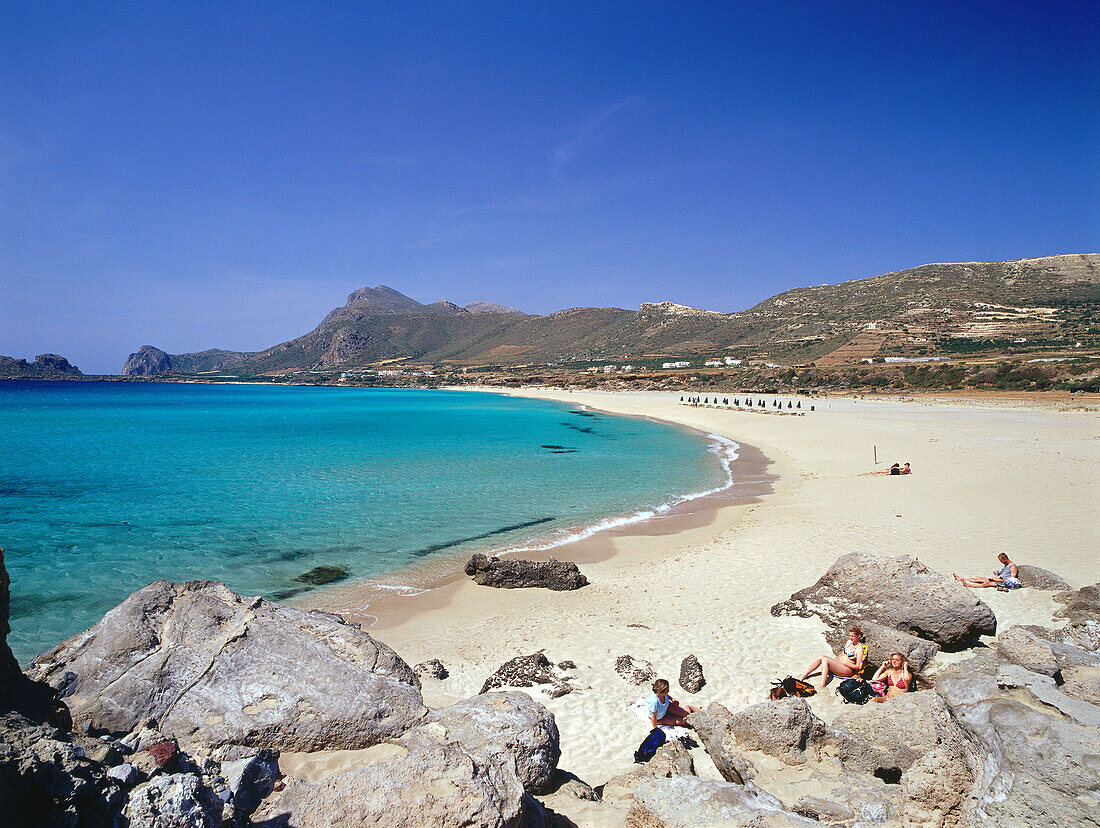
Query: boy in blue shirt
x=665, y=710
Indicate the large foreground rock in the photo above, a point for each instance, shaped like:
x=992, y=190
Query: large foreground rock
x=509, y=573
x=689, y=802
x=786, y=729
x=429, y=786
x=213, y=667
x=179, y=799
x=509, y=727
x=898, y=592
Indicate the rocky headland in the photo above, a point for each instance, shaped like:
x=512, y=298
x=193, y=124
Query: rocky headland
x=183, y=704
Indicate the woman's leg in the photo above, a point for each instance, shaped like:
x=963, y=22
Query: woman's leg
x=813, y=666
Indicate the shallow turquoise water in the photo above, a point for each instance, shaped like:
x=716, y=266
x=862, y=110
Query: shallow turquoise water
x=108, y=486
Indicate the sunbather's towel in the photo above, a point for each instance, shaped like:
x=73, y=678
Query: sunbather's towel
x=640, y=708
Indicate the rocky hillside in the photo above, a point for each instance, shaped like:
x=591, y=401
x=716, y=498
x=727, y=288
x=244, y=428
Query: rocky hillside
x=928, y=310
x=45, y=366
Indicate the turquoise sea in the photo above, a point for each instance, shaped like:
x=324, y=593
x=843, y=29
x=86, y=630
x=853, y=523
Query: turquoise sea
x=109, y=486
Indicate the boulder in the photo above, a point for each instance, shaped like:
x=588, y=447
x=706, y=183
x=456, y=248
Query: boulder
x=1037, y=578
x=786, y=729
x=888, y=738
x=634, y=670
x=179, y=799
x=688, y=802
x=898, y=592
x=432, y=667
x=671, y=759
x=251, y=780
x=1081, y=606
x=213, y=667
x=508, y=727
x=713, y=726
x=571, y=785
x=430, y=785
x=522, y=671
x=883, y=641
x=125, y=774
x=1025, y=648
x=691, y=674
x=509, y=573
x=1083, y=684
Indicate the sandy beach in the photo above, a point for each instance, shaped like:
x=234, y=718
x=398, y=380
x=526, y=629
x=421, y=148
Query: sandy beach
x=989, y=476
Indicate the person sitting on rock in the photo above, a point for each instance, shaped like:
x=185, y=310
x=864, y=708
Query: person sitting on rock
x=845, y=664
x=665, y=710
x=1007, y=577
x=897, y=677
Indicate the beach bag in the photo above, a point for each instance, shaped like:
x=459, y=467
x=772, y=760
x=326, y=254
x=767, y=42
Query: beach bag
x=649, y=745
x=790, y=686
x=855, y=691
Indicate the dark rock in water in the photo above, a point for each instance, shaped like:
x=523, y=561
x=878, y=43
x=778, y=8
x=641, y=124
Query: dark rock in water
x=432, y=667
x=521, y=671
x=691, y=674
x=1036, y=578
x=515, y=574
x=898, y=592
x=634, y=670
x=883, y=641
x=321, y=575
x=213, y=667
x=147, y=362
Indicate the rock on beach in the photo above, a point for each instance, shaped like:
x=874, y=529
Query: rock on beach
x=510, y=573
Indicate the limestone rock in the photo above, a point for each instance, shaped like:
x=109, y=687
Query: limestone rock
x=714, y=728
x=432, y=667
x=147, y=362
x=213, y=667
x=889, y=737
x=510, y=573
x=786, y=729
x=430, y=785
x=251, y=780
x=883, y=641
x=1080, y=606
x=688, y=802
x=522, y=671
x=508, y=727
x=691, y=675
x=671, y=759
x=634, y=670
x=1025, y=648
x=898, y=592
x=55, y=364
x=179, y=799
x=1037, y=578
x=823, y=810
x=125, y=774
x=572, y=785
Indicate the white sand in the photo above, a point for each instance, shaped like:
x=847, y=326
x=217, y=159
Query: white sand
x=988, y=477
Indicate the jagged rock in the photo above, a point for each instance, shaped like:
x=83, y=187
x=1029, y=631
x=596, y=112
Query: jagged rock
x=889, y=738
x=883, y=641
x=432, y=667
x=713, y=727
x=430, y=785
x=179, y=799
x=509, y=573
x=823, y=810
x=125, y=774
x=251, y=780
x=786, y=729
x=572, y=785
x=898, y=592
x=671, y=759
x=634, y=670
x=936, y=787
x=1023, y=647
x=1083, y=684
x=1036, y=578
x=146, y=362
x=691, y=674
x=347, y=344
x=521, y=671
x=688, y=802
x=55, y=364
x=1030, y=766
x=1082, y=606
x=213, y=667
x=508, y=727
x=1044, y=689
x=567, y=665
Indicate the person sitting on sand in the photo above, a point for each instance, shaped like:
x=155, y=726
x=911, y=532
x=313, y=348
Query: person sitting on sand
x=845, y=664
x=665, y=710
x=1007, y=577
x=896, y=673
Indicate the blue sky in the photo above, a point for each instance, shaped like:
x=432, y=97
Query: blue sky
x=221, y=175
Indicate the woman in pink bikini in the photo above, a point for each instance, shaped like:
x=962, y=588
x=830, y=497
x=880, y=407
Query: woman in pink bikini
x=897, y=675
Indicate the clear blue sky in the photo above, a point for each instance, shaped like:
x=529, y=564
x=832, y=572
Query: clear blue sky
x=221, y=175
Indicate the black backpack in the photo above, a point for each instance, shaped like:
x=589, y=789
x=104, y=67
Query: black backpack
x=855, y=691
x=649, y=745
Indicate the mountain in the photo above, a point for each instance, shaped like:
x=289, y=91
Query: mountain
x=45, y=366
x=931, y=309
x=491, y=307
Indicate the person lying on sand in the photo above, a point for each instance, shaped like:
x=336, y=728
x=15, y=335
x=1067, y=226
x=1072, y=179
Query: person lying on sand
x=665, y=710
x=845, y=664
x=1008, y=576
x=895, y=469
x=896, y=673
